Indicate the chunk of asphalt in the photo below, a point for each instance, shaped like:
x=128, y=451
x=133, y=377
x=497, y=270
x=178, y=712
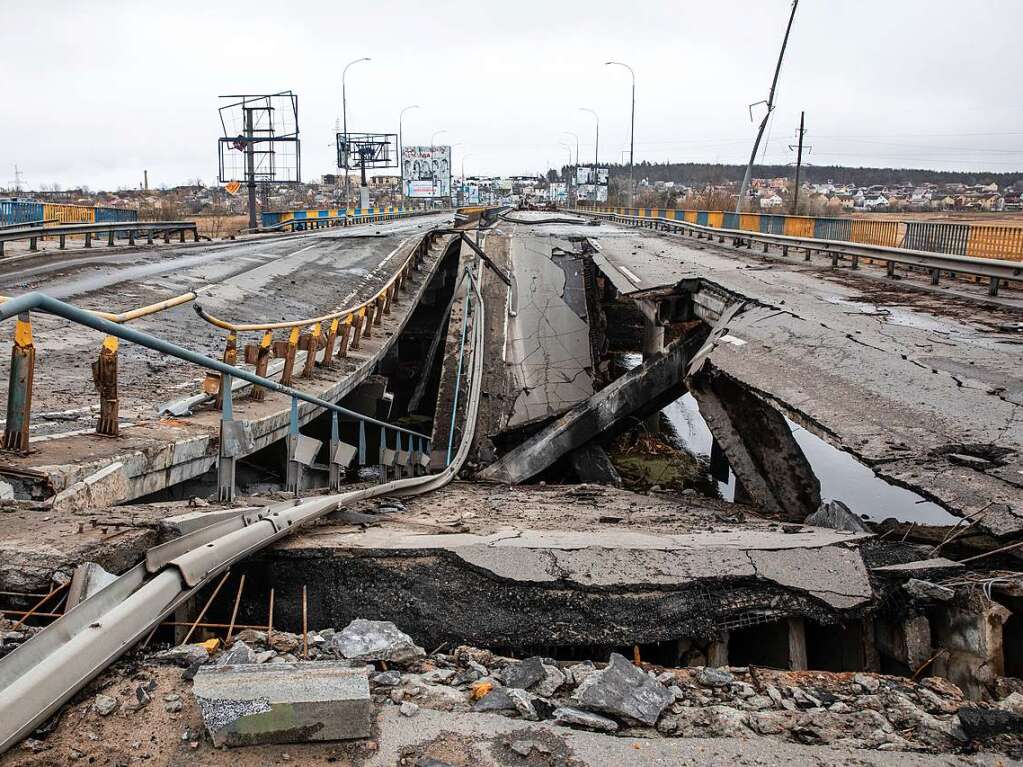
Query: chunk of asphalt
x=625, y=691
x=376, y=640
x=525, y=674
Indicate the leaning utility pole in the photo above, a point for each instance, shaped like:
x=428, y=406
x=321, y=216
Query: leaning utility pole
x=770, y=107
x=799, y=161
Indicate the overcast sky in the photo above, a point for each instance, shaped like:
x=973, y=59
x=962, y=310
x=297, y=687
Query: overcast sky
x=94, y=92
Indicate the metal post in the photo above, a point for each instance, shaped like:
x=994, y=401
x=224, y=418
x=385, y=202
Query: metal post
x=767, y=116
x=294, y=469
x=226, y=463
x=362, y=443
x=289, y=357
x=250, y=166
x=104, y=376
x=335, y=439
x=380, y=454
x=262, y=362
x=19, y=390
x=799, y=161
x=230, y=358
x=632, y=130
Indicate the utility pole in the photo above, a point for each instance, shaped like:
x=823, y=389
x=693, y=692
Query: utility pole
x=799, y=160
x=770, y=108
x=250, y=166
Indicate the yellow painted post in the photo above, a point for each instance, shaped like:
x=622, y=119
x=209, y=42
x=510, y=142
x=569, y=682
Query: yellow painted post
x=313, y=341
x=230, y=358
x=289, y=357
x=263, y=355
x=19, y=389
x=104, y=376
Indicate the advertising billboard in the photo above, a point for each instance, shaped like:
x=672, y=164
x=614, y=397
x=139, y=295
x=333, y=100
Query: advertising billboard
x=591, y=184
x=426, y=171
x=558, y=192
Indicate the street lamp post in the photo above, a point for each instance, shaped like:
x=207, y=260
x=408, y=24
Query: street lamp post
x=401, y=167
x=576, y=137
x=632, y=124
x=596, y=148
x=344, y=114
x=433, y=137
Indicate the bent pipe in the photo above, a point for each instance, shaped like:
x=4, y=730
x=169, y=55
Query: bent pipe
x=37, y=301
x=46, y=671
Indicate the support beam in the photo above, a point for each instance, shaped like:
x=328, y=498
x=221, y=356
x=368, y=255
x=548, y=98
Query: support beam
x=641, y=391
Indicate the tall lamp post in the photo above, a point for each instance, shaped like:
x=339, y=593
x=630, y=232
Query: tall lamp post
x=576, y=137
x=596, y=149
x=401, y=167
x=632, y=124
x=344, y=114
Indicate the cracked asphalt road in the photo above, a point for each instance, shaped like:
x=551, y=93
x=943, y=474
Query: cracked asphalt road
x=264, y=278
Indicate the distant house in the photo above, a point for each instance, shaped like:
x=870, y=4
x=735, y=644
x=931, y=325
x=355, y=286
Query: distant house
x=772, y=202
x=875, y=203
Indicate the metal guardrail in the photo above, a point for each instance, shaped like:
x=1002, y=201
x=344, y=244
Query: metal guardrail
x=232, y=434
x=132, y=228
x=994, y=270
x=346, y=330
x=318, y=222
x=28, y=224
x=47, y=670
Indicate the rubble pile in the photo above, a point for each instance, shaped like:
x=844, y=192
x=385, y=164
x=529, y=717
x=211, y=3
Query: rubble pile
x=843, y=710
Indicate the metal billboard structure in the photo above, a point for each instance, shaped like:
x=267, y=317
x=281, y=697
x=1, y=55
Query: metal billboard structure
x=259, y=142
x=426, y=171
x=358, y=151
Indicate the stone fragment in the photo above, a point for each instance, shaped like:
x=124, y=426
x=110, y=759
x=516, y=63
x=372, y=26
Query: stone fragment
x=495, y=700
x=927, y=591
x=386, y=678
x=1013, y=704
x=408, y=708
x=985, y=723
x=576, y=717
x=439, y=676
x=264, y=656
x=283, y=642
x=552, y=681
x=623, y=690
x=376, y=640
x=713, y=677
x=577, y=673
x=104, y=705
x=251, y=637
x=869, y=683
x=284, y=703
x=240, y=653
x=183, y=655
x=837, y=516
x=525, y=703
x=525, y=674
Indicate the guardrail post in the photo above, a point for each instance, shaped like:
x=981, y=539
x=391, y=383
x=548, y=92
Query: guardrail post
x=386, y=299
x=19, y=389
x=131, y=236
x=195, y=233
x=335, y=440
x=382, y=455
x=367, y=325
x=33, y=243
x=181, y=236
x=166, y=236
x=88, y=239
x=289, y=357
x=357, y=321
x=935, y=276
x=110, y=238
x=104, y=376
x=262, y=362
x=227, y=462
x=992, y=289
x=855, y=262
x=149, y=237
x=312, y=345
x=294, y=469
x=381, y=308
x=834, y=260
x=890, y=268
x=328, y=346
x=230, y=358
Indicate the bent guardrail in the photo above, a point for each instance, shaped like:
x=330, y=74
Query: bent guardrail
x=44, y=672
x=131, y=228
x=232, y=434
x=994, y=270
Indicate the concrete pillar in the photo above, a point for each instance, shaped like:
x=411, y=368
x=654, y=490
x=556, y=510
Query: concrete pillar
x=717, y=651
x=970, y=634
x=797, y=645
x=653, y=344
x=759, y=445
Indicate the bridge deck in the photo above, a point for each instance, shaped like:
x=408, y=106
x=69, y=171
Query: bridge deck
x=900, y=378
x=327, y=271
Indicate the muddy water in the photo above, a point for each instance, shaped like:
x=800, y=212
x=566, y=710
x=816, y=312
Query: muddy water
x=842, y=477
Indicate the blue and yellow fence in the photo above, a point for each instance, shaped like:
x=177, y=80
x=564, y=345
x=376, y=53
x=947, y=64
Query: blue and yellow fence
x=27, y=211
x=977, y=240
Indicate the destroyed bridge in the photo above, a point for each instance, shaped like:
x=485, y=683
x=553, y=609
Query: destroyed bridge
x=643, y=440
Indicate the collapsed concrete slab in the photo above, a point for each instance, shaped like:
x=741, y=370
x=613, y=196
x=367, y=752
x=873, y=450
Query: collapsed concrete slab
x=639, y=392
x=248, y=705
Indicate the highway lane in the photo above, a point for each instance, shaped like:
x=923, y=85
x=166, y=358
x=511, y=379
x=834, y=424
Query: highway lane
x=264, y=278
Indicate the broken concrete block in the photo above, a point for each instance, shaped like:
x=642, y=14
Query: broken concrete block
x=183, y=655
x=837, y=516
x=284, y=703
x=927, y=591
x=623, y=690
x=240, y=654
x=105, y=705
x=104, y=488
x=495, y=700
x=576, y=717
x=376, y=640
x=525, y=674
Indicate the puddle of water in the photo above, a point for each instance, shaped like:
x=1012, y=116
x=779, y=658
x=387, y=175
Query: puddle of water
x=842, y=477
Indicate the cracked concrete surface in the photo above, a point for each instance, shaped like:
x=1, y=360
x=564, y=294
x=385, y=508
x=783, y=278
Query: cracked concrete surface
x=899, y=378
x=548, y=346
